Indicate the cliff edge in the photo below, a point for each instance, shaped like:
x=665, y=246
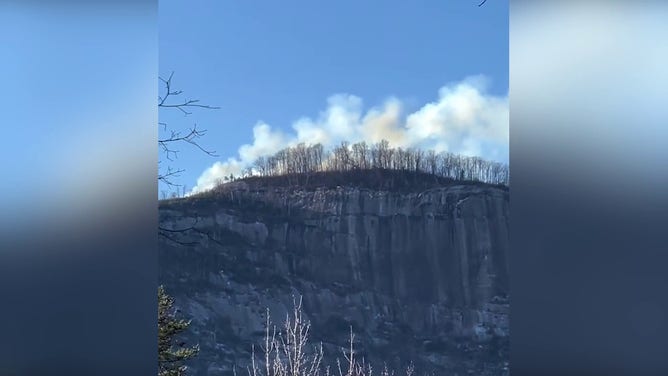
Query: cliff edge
x=420, y=275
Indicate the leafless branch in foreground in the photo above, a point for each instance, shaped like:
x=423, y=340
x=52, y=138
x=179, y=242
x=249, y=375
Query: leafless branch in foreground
x=181, y=106
x=190, y=138
x=177, y=236
x=168, y=145
x=285, y=352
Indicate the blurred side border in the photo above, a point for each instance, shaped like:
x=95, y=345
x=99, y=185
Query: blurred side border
x=588, y=168
x=78, y=219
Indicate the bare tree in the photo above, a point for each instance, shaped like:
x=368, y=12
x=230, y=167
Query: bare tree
x=299, y=162
x=360, y=154
x=288, y=352
x=432, y=162
x=168, y=145
x=285, y=352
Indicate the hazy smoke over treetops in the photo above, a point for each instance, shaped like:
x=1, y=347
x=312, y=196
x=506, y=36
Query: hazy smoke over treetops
x=465, y=119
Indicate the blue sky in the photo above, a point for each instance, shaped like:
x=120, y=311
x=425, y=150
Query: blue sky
x=278, y=62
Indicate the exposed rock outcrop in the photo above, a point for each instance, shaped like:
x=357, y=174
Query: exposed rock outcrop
x=420, y=276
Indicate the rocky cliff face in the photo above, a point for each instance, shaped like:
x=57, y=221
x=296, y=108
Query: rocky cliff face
x=420, y=277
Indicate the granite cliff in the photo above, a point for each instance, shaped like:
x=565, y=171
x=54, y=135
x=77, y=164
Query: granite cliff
x=420, y=275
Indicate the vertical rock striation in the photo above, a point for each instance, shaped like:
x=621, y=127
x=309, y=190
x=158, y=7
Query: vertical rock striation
x=420, y=276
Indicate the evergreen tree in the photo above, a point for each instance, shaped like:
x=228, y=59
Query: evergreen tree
x=171, y=352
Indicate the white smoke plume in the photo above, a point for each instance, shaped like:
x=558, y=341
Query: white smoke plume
x=465, y=119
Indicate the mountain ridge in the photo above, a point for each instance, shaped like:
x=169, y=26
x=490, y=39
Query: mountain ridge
x=421, y=275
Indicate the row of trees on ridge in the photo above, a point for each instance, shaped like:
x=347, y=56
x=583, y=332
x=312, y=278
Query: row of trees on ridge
x=306, y=159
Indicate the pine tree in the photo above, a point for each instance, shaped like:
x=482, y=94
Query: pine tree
x=171, y=353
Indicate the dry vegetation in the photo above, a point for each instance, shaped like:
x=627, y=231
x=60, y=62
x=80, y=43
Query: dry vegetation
x=305, y=159
x=379, y=167
x=288, y=352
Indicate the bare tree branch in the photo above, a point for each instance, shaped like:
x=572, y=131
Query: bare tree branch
x=170, y=173
x=181, y=105
x=173, y=234
x=191, y=136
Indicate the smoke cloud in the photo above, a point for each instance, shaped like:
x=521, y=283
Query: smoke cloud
x=464, y=119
